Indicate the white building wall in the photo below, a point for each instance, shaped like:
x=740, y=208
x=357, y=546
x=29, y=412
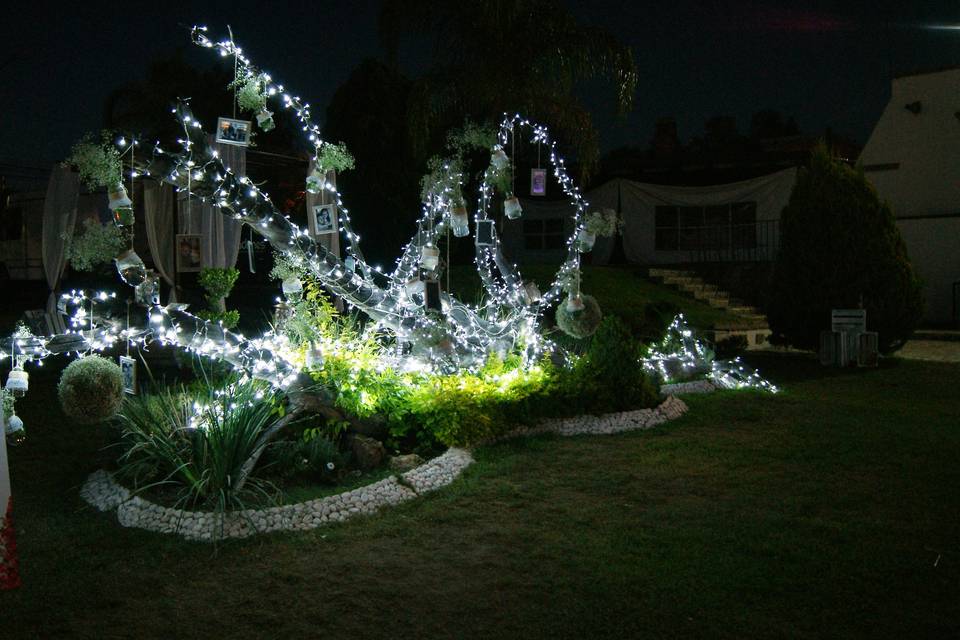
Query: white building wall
x=913, y=159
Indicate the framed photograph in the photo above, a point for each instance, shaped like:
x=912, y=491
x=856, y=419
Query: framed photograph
x=322, y=219
x=128, y=371
x=538, y=182
x=485, y=233
x=189, y=252
x=230, y=131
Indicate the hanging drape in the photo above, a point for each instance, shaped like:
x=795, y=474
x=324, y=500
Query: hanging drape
x=159, y=222
x=59, y=219
x=221, y=234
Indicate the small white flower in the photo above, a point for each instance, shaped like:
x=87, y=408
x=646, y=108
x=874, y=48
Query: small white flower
x=330, y=466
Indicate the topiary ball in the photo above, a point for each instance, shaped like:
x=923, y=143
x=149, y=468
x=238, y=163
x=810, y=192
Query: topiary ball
x=579, y=323
x=91, y=389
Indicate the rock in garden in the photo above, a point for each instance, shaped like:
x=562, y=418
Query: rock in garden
x=406, y=462
x=367, y=452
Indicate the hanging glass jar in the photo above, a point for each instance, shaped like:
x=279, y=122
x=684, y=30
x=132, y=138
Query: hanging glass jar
x=512, y=208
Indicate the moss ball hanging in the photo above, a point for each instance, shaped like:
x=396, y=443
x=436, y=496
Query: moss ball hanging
x=582, y=322
x=91, y=389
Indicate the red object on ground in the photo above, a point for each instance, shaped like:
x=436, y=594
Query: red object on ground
x=9, y=575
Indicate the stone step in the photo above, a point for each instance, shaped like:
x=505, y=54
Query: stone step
x=660, y=273
x=681, y=281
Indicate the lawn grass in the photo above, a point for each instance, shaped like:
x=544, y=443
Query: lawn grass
x=818, y=512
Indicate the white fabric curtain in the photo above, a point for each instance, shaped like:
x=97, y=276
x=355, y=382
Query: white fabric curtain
x=221, y=234
x=159, y=222
x=4, y=471
x=59, y=219
x=639, y=201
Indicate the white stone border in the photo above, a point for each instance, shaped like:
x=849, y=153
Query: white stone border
x=694, y=386
x=105, y=494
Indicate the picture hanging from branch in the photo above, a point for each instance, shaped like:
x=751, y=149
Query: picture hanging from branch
x=322, y=219
x=189, y=252
x=128, y=373
x=236, y=132
x=538, y=182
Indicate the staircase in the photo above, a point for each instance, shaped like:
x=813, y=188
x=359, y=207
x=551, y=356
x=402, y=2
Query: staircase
x=754, y=328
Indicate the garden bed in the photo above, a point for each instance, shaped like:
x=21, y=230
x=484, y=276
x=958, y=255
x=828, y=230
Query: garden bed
x=104, y=493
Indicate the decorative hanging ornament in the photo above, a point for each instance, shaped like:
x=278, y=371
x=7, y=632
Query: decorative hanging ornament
x=118, y=197
x=123, y=217
x=512, y=208
x=291, y=287
x=315, y=181
x=18, y=382
x=414, y=286
x=499, y=158
x=579, y=316
x=485, y=233
x=585, y=240
x=13, y=429
x=147, y=293
x=265, y=120
x=574, y=304
x=429, y=258
x=314, y=356
x=531, y=293
x=460, y=221
x=131, y=268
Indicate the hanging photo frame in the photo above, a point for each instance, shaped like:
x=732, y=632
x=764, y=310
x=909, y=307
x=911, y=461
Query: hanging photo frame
x=485, y=233
x=128, y=372
x=538, y=182
x=322, y=220
x=189, y=252
x=235, y=132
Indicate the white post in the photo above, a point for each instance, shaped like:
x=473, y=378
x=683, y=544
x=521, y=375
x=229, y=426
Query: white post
x=9, y=577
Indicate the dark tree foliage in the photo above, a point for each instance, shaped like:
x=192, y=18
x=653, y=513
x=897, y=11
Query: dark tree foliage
x=840, y=249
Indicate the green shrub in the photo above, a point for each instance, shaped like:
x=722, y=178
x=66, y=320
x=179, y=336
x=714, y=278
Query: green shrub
x=197, y=440
x=218, y=284
x=98, y=162
x=610, y=376
x=840, y=249
x=91, y=389
x=313, y=454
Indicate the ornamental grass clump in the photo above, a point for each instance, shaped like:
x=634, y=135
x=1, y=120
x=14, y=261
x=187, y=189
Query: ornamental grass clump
x=198, y=441
x=91, y=389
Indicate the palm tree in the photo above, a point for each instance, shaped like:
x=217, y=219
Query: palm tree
x=491, y=56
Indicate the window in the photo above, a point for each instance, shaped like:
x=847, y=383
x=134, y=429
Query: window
x=665, y=228
x=715, y=227
x=543, y=235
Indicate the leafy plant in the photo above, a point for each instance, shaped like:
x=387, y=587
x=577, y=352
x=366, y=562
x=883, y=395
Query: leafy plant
x=603, y=223
x=219, y=283
x=840, y=249
x=198, y=441
x=91, y=389
x=97, y=161
x=97, y=244
x=334, y=157
x=251, y=95
x=610, y=376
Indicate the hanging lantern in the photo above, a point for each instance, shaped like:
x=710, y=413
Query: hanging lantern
x=485, y=233
x=281, y=312
x=499, y=158
x=574, y=304
x=585, y=241
x=351, y=264
x=265, y=120
x=512, y=208
x=315, y=182
x=18, y=382
x=131, y=268
x=429, y=258
x=460, y=221
x=314, y=356
x=414, y=286
x=14, y=430
x=531, y=292
x=292, y=286
x=118, y=197
x=123, y=217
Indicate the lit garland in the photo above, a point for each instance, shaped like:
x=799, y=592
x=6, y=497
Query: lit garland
x=454, y=337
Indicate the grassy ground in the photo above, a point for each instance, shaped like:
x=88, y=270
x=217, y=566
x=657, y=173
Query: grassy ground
x=621, y=291
x=830, y=510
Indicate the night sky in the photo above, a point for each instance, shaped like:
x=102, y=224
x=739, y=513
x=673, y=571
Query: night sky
x=827, y=64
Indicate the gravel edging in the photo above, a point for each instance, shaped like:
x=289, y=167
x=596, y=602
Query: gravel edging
x=103, y=492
